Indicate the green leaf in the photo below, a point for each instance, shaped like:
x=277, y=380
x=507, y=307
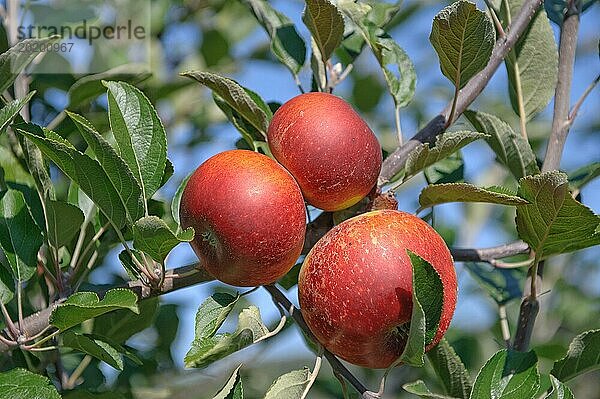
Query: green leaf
x=249, y=133
x=83, y=306
x=436, y=194
x=139, y=133
x=7, y=285
x=554, y=223
x=388, y=52
x=109, y=352
x=233, y=388
x=176, y=202
x=449, y=170
x=420, y=389
x=534, y=59
x=16, y=58
x=20, y=238
x=402, y=83
x=426, y=281
x=212, y=313
x=22, y=384
x=235, y=96
x=286, y=43
x=512, y=150
x=11, y=110
x=559, y=390
x=129, y=265
x=582, y=176
x=508, y=375
x=326, y=25
x=207, y=350
x=445, y=145
x=450, y=370
x=119, y=173
x=152, y=236
x=64, y=221
x=81, y=394
x=463, y=37
x=90, y=86
x=80, y=168
x=426, y=312
x=502, y=285
x=583, y=356
x=120, y=324
x=290, y=385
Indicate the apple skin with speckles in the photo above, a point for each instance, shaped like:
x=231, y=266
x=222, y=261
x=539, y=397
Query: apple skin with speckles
x=328, y=148
x=355, y=285
x=249, y=217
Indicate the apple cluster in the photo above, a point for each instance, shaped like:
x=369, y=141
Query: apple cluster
x=355, y=285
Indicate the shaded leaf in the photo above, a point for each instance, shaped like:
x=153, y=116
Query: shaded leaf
x=448, y=170
x=501, y=284
x=290, y=385
x=119, y=173
x=96, y=346
x=121, y=324
x=446, y=144
x=450, y=370
x=556, y=9
x=128, y=263
x=7, y=285
x=20, y=238
x=286, y=43
x=207, y=350
x=176, y=202
x=512, y=149
x=419, y=388
x=11, y=110
x=463, y=37
x=80, y=168
x=22, y=384
x=508, y=375
x=554, y=222
x=233, y=388
x=436, y=194
x=583, y=356
x=83, y=306
x=16, y=58
x=64, y=221
x=326, y=25
x=152, y=236
x=235, y=96
x=139, y=133
x=582, y=176
x=90, y=86
x=534, y=58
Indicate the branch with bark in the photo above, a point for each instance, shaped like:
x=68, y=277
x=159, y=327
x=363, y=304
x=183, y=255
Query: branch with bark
x=394, y=163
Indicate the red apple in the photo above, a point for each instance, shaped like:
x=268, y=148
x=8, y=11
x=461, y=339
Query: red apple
x=355, y=286
x=249, y=217
x=327, y=147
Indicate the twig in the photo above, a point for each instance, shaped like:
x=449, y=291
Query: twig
x=504, y=325
x=175, y=279
x=313, y=375
x=489, y=254
x=70, y=383
x=562, y=94
x=14, y=331
x=394, y=163
x=335, y=363
x=579, y=102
